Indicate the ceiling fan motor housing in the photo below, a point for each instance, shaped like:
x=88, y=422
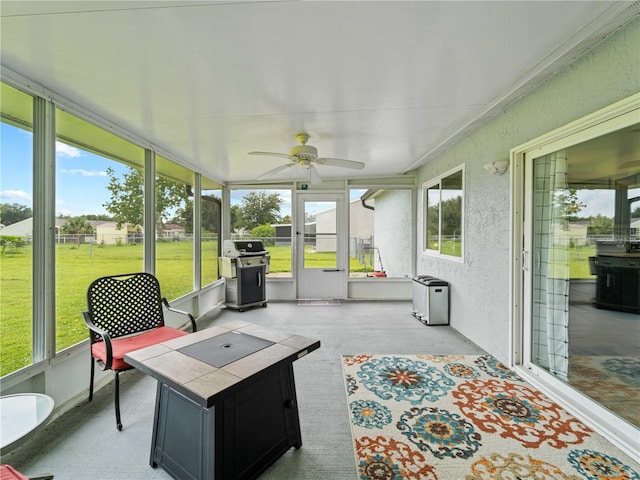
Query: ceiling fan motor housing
x=305, y=152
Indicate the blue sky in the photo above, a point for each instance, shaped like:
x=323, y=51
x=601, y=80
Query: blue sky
x=81, y=177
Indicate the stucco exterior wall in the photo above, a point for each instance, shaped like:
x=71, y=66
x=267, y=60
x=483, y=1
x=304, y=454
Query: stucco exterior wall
x=361, y=220
x=480, y=286
x=393, y=231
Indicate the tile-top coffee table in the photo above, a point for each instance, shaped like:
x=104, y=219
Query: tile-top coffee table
x=226, y=402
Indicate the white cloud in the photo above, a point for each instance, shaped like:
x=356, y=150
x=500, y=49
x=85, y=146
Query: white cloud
x=85, y=173
x=598, y=202
x=68, y=151
x=15, y=195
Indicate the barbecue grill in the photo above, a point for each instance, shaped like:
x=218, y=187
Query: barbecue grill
x=244, y=266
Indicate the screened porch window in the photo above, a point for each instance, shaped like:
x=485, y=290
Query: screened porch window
x=16, y=239
x=265, y=214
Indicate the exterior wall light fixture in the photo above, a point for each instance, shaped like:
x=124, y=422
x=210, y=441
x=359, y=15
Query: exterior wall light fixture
x=497, y=168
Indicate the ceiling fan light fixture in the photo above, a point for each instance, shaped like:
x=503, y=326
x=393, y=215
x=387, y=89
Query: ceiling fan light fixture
x=303, y=138
x=306, y=156
x=305, y=152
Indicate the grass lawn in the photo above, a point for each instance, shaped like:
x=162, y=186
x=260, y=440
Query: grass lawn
x=78, y=266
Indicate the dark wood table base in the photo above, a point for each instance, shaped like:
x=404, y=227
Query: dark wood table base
x=241, y=435
x=230, y=421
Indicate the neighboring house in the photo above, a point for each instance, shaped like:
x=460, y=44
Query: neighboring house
x=108, y=233
x=361, y=226
x=172, y=230
x=575, y=233
x=23, y=228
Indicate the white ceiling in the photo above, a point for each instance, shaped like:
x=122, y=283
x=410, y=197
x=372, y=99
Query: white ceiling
x=385, y=83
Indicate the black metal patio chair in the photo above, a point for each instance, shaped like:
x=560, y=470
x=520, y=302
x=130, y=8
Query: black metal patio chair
x=125, y=313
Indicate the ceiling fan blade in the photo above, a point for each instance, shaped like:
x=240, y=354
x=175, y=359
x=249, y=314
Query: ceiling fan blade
x=339, y=162
x=273, y=154
x=314, y=176
x=273, y=171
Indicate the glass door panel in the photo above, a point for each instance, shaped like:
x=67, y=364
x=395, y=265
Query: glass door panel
x=583, y=285
x=321, y=272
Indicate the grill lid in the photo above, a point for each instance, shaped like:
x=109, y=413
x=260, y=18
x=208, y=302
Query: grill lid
x=243, y=248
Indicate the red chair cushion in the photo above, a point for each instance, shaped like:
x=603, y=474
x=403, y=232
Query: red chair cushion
x=122, y=346
x=7, y=472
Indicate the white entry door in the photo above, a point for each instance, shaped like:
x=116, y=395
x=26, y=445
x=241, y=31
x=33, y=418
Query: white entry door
x=321, y=246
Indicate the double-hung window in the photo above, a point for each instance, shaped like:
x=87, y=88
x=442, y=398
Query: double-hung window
x=443, y=205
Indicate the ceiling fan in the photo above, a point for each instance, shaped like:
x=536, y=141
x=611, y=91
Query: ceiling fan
x=306, y=156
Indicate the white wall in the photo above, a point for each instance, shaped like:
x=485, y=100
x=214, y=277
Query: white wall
x=393, y=231
x=480, y=286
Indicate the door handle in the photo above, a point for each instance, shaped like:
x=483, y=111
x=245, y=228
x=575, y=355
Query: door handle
x=333, y=269
x=259, y=279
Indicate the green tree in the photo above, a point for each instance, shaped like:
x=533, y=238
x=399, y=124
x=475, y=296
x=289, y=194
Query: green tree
x=210, y=214
x=11, y=213
x=171, y=195
x=184, y=216
x=77, y=226
x=235, y=217
x=265, y=232
x=567, y=205
x=259, y=208
x=127, y=198
x=600, y=225
x=452, y=216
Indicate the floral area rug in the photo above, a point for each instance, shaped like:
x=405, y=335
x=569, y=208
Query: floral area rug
x=459, y=417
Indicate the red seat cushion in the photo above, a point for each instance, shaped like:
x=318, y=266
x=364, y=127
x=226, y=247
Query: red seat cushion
x=122, y=346
x=7, y=472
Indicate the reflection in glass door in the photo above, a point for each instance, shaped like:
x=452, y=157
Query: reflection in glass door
x=583, y=284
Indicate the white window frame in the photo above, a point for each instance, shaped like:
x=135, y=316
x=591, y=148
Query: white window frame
x=423, y=236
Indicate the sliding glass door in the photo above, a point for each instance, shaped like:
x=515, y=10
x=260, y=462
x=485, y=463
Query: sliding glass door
x=581, y=267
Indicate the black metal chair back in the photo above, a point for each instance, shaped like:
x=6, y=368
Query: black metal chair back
x=125, y=304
